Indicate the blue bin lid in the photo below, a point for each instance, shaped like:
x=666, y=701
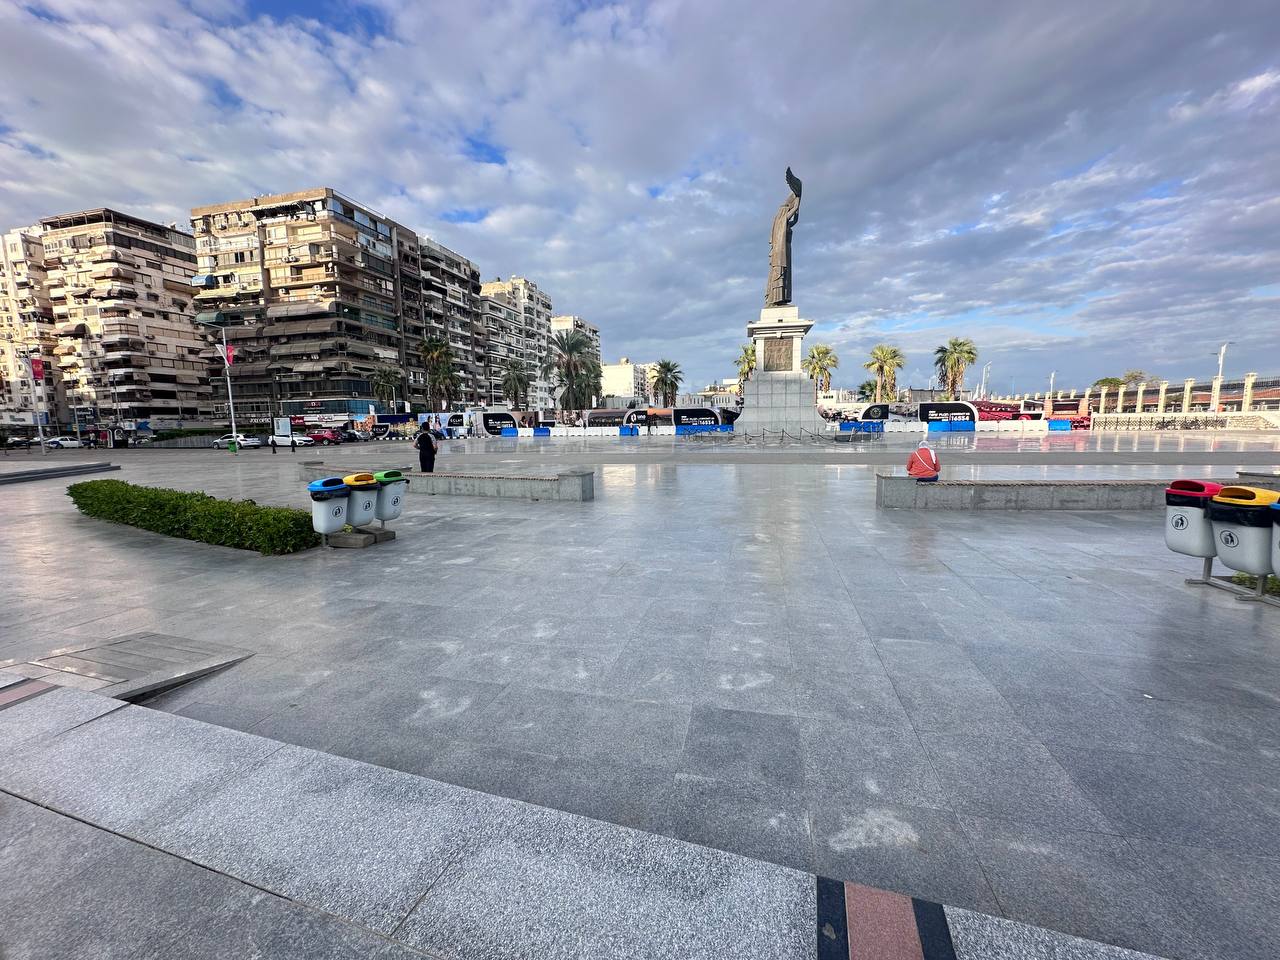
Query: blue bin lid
x=325, y=484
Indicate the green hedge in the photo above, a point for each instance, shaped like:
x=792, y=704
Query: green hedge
x=197, y=516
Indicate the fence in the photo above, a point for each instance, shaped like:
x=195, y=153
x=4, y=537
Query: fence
x=1183, y=421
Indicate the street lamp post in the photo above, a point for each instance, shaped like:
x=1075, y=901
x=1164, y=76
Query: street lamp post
x=986, y=368
x=35, y=400
x=1222, y=356
x=226, y=370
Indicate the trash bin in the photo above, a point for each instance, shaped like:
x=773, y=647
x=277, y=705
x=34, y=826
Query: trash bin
x=1187, y=529
x=393, y=485
x=328, y=505
x=1241, y=519
x=363, y=502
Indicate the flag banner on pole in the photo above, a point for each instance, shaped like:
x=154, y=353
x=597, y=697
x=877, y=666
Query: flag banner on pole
x=37, y=368
x=227, y=353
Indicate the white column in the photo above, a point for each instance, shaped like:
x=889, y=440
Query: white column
x=1246, y=401
x=1215, y=394
x=1120, y=399
x=1187, y=384
x=1164, y=389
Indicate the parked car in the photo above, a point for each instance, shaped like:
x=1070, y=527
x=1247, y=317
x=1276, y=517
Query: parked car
x=20, y=441
x=351, y=436
x=56, y=443
x=297, y=439
x=239, y=438
x=325, y=437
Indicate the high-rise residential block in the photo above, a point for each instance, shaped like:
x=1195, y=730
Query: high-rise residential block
x=534, y=309
x=26, y=330
x=119, y=290
x=451, y=293
x=563, y=324
x=625, y=380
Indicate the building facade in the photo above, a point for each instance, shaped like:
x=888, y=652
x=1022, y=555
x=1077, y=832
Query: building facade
x=104, y=299
x=564, y=324
x=624, y=380
x=534, y=309
x=318, y=296
x=451, y=294
x=26, y=331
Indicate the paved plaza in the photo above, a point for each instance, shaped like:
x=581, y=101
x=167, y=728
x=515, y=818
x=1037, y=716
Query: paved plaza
x=1025, y=714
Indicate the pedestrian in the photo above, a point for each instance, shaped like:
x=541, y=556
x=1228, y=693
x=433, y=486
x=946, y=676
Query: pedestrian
x=425, y=444
x=272, y=443
x=293, y=444
x=4, y=441
x=923, y=463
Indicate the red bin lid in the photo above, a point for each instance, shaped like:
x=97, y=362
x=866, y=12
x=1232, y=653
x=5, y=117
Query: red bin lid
x=1194, y=488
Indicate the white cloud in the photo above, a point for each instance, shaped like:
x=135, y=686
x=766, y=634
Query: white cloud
x=1072, y=187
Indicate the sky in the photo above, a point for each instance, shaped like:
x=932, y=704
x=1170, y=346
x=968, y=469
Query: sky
x=1084, y=188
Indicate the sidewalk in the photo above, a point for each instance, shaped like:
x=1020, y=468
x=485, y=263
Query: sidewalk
x=128, y=832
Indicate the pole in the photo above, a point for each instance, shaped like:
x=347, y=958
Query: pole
x=1222, y=356
x=1052, y=375
x=226, y=369
x=35, y=399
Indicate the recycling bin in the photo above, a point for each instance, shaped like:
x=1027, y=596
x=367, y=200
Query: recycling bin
x=1275, y=536
x=362, y=502
x=328, y=505
x=1187, y=529
x=392, y=487
x=1242, y=528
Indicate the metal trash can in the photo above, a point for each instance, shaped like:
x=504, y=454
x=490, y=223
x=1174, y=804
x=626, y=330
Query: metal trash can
x=393, y=486
x=328, y=505
x=1242, y=528
x=1187, y=529
x=363, y=500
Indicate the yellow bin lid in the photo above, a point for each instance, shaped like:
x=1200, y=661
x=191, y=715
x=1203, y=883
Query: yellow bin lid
x=1247, y=496
x=360, y=480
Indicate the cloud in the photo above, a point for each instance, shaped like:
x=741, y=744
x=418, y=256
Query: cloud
x=1084, y=189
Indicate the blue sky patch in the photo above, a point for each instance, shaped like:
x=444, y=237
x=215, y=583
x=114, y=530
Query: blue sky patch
x=464, y=214
x=482, y=150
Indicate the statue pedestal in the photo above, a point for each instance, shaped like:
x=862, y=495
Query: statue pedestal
x=779, y=396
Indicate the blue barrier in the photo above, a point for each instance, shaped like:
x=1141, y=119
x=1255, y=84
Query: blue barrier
x=939, y=426
x=510, y=432
x=726, y=428
x=1059, y=424
x=686, y=429
x=963, y=426
x=542, y=431
x=628, y=431
x=862, y=426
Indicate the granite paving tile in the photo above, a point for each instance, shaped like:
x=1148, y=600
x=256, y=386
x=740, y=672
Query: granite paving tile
x=977, y=936
x=849, y=759
x=50, y=714
x=740, y=746
x=592, y=889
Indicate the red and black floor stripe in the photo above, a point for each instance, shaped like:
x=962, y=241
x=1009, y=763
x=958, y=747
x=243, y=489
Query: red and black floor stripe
x=24, y=690
x=862, y=923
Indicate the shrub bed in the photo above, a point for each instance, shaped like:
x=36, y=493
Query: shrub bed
x=197, y=516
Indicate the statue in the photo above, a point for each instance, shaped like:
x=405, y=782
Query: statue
x=777, y=291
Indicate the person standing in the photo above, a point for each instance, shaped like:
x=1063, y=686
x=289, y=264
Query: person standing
x=425, y=444
x=272, y=441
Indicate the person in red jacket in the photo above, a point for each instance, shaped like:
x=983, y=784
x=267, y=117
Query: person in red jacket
x=923, y=463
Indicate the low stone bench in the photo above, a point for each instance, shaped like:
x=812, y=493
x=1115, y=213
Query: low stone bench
x=51, y=472
x=578, y=483
x=905, y=493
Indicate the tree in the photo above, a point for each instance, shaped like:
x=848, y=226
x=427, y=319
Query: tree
x=819, y=363
x=515, y=384
x=1110, y=383
x=951, y=360
x=386, y=382
x=885, y=362
x=572, y=367
x=746, y=364
x=1132, y=378
x=667, y=378
x=869, y=390
x=442, y=380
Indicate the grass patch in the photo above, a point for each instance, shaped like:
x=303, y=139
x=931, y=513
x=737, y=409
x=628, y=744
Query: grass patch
x=1250, y=581
x=197, y=516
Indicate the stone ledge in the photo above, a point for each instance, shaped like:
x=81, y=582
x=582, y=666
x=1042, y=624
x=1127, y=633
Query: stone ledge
x=905, y=493
x=576, y=484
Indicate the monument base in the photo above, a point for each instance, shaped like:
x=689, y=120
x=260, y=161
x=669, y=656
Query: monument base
x=779, y=396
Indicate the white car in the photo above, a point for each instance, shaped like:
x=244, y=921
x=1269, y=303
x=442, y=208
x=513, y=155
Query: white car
x=56, y=443
x=240, y=438
x=297, y=439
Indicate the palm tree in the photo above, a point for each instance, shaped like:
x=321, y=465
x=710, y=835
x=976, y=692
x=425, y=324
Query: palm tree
x=386, y=381
x=570, y=365
x=869, y=390
x=819, y=363
x=886, y=360
x=746, y=364
x=951, y=360
x=666, y=381
x=515, y=384
x=442, y=379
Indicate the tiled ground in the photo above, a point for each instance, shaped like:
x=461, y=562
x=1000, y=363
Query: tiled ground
x=1030, y=715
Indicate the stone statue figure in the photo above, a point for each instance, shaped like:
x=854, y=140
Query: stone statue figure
x=777, y=291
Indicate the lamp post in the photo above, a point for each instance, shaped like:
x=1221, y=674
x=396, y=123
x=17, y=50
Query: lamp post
x=1222, y=356
x=226, y=370
x=986, y=368
x=35, y=399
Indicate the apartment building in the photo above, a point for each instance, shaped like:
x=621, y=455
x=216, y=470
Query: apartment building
x=534, y=309
x=563, y=324
x=317, y=294
x=626, y=380
x=451, y=293
x=26, y=330
x=118, y=291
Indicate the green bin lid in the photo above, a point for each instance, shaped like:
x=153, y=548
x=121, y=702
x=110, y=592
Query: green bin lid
x=387, y=476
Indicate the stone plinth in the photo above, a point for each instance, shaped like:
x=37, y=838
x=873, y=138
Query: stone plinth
x=779, y=396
